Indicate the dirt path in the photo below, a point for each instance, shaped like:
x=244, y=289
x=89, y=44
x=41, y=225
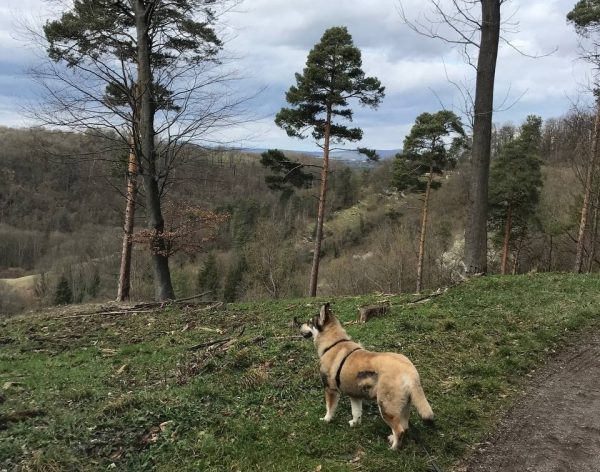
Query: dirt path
x=556, y=427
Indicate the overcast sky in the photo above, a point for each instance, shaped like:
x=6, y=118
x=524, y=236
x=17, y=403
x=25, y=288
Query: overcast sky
x=271, y=38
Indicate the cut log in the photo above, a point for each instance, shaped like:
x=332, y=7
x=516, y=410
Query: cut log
x=365, y=313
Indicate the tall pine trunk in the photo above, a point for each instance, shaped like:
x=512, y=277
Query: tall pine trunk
x=587, y=195
x=423, y=231
x=125, y=270
x=506, y=246
x=314, y=273
x=476, y=229
x=163, y=289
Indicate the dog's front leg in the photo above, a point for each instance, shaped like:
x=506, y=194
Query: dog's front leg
x=356, y=404
x=331, y=402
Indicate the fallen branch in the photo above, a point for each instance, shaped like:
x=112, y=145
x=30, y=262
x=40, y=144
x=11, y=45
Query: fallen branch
x=170, y=302
x=147, y=305
x=212, y=307
x=202, y=328
x=200, y=295
x=208, y=344
x=111, y=313
x=426, y=298
x=217, y=341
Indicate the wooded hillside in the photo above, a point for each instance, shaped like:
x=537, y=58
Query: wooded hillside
x=61, y=201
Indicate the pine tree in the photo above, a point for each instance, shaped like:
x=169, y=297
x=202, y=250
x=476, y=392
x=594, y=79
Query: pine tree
x=515, y=185
x=234, y=278
x=208, y=277
x=63, y=294
x=430, y=148
x=287, y=175
x=332, y=77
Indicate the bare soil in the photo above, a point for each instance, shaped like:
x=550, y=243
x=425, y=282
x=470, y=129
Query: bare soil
x=556, y=425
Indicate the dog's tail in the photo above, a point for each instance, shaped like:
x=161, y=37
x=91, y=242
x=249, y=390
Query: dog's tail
x=418, y=399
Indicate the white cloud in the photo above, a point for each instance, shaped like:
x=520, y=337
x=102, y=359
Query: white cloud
x=273, y=37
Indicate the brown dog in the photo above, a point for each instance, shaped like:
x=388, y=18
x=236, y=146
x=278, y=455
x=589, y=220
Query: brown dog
x=346, y=367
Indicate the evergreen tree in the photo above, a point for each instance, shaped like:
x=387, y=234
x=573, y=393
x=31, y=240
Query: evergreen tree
x=245, y=214
x=430, y=148
x=234, y=278
x=93, y=286
x=287, y=175
x=208, y=277
x=63, y=294
x=515, y=185
x=345, y=188
x=333, y=75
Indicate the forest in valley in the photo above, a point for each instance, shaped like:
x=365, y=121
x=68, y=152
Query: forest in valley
x=62, y=217
x=111, y=196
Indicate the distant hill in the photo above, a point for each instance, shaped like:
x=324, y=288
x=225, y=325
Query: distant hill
x=346, y=155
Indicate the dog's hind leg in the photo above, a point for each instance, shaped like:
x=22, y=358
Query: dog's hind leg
x=394, y=406
x=331, y=402
x=356, y=404
x=404, y=416
x=394, y=421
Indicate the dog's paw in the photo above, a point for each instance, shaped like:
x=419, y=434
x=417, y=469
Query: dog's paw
x=326, y=418
x=354, y=423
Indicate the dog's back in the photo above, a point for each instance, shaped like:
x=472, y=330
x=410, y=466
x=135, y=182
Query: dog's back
x=391, y=379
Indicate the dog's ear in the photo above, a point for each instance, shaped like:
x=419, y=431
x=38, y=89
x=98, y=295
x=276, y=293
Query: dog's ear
x=325, y=314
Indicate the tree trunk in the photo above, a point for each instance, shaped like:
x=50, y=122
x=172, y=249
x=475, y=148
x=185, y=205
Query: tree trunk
x=594, y=234
x=550, y=254
x=587, y=195
x=125, y=270
x=163, y=289
x=507, y=230
x=476, y=229
x=314, y=273
x=517, y=255
x=423, y=231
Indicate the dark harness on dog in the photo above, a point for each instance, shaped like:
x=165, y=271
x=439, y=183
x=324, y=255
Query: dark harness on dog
x=335, y=344
x=339, y=370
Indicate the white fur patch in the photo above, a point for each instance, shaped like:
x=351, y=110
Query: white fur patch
x=306, y=329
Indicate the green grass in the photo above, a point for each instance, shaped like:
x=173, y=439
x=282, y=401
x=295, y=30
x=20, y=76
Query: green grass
x=67, y=402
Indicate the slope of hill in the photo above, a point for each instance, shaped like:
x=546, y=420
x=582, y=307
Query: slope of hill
x=194, y=389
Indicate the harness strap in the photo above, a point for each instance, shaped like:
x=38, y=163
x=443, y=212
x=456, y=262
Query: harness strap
x=339, y=371
x=335, y=344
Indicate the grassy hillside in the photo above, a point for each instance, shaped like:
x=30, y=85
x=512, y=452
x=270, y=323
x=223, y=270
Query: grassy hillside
x=83, y=392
